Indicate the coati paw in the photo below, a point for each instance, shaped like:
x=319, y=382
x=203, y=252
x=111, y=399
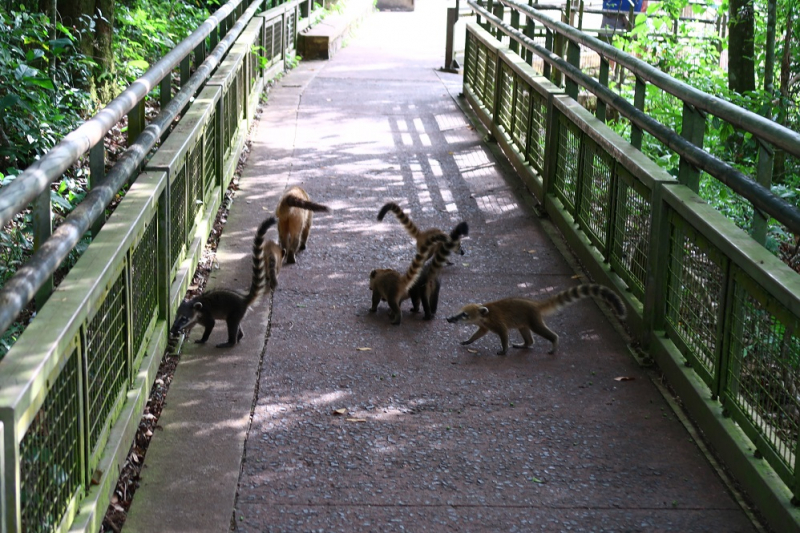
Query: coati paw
x=502, y=352
x=200, y=341
x=464, y=343
x=373, y=310
x=521, y=346
x=224, y=345
x=427, y=317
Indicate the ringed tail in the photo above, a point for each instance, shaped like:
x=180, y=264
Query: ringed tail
x=294, y=201
x=573, y=294
x=415, y=270
x=259, y=282
x=443, y=251
x=272, y=272
x=411, y=228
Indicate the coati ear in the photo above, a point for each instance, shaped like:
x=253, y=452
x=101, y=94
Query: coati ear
x=483, y=310
x=198, y=306
x=373, y=274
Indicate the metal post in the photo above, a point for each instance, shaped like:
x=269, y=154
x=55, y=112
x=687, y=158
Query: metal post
x=450, y=63
x=97, y=171
x=693, y=130
x=766, y=158
x=530, y=30
x=638, y=102
x=600, y=112
x=574, y=58
x=42, y=230
x=514, y=45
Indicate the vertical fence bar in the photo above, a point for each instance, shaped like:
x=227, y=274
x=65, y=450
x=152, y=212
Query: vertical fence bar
x=766, y=159
x=548, y=44
x=514, y=45
x=638, y=102
x=602, y=77
x=574, y=58
x=97, y=171
x=42, y=230
x=530, y=32
x=693, y=130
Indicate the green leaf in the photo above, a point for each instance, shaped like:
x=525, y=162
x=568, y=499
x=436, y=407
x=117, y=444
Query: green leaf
x=45, y=83
x=139, y=63
x=8, y=101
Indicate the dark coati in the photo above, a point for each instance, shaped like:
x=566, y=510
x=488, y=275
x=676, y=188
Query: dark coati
x=426, y=289
x=227, y=305
x=294, y=212
x=420, y=235
x=528, y=315
x=392, y=286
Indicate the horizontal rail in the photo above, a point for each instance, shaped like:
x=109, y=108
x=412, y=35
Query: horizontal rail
x=777, y=135
x=38, y=177
x=21, y=288
x=761, y=197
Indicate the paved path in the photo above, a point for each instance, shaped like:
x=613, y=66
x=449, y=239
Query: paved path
x=437, y=437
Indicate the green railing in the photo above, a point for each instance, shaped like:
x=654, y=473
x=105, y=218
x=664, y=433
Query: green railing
x=73, y=387
x=714, y=308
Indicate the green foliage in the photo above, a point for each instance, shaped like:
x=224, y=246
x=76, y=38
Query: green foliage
x=682, y=51
x=146, y=30
x=39, y=101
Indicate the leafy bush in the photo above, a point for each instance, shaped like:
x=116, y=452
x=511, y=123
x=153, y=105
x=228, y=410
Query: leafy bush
x=146, y=30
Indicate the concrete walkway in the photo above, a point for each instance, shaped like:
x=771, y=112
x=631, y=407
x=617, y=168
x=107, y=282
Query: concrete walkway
x=435, y=436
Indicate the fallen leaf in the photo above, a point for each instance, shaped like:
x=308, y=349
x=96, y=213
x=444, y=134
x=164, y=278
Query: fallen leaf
x=356, y=419
x=465, y=264
x=301, y=305
x=537, y=480
x=470, y=350
x=340, y=411
x=364, y=349
x=97, y=476
x=624, y=378
x=531, y=251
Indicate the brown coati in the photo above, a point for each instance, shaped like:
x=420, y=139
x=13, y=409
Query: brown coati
x=426, y=289
x=528, y=315
x=294, y=212
x=228, y=305
x=392, y=286
x=412, y=229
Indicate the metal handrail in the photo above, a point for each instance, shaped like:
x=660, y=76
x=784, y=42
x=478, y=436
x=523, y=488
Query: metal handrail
x=761, y=197
x=21, y=288
x=777, y=135
x=38, y=177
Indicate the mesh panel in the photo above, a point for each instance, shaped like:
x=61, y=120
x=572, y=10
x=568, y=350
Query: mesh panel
x=567, y=166
x=506, y=97
x=177, y=200
x=521, y=123
x=253, y=60
x=763, y=378
x=290, y=32
x=537, y=132
x=49, y=454
x=269, y=45
x=276, y=51
x=488, y=90
x=194, y=170
x=480, y=75
x=470, y=59
x=143, y=279
x=106, y=354
x=631, y=235
x=595, y=203
x=694, y=290
x=209, y=144
x=229, y=118
x=241, y=88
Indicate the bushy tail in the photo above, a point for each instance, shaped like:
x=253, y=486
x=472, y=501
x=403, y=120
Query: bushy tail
x=411, y=228
x=415, y=269
x=569, y=296
x=272, y=272
x=259, y=282
x=444, y=250
x=294, y=201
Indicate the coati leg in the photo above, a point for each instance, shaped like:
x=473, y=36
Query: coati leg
x=475, y=336
x=208, y=324
x=304, y=235
x=235, y=332
x=415, y=299
x=540, y=328
x=376, y=299
x=434, y=299
x=526, y=336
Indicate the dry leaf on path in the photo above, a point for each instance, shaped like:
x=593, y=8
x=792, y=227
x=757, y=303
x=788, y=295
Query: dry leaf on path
x=364, y=349
x=624, y=378
x=356, y=419
x=470, y=350
x=340, y=411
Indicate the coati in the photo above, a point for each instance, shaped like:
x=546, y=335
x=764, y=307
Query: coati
x=528, y=315
x=227, y=305
x=426, y=289
x=392, y=286
x=294, y=212
x=411, y=228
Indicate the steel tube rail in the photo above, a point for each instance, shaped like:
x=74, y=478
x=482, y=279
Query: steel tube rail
x=38, y=177
x=777, y=135
x=22, y=287
x=761, y=197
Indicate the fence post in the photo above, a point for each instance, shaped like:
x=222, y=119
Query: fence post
x=693, y=130
x=97, y=171
x=42, y=230
x=574, y=59
x=766, y=158
x=638, y=102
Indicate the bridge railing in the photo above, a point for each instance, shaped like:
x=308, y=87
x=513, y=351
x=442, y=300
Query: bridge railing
x=73, y=387
x=715, y=309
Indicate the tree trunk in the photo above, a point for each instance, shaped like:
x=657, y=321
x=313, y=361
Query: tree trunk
x=779, y=165
x=93, y=21
x=741, y=52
